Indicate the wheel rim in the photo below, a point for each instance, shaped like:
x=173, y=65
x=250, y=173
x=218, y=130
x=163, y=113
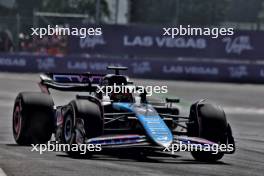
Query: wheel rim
x=17, y=121
x=68, y=128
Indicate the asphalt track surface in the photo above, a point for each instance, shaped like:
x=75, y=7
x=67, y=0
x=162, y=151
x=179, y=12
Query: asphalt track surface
x=244, y=105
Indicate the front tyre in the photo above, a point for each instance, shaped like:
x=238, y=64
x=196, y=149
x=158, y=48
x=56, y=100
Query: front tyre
x=82, y=120
x=208, y=121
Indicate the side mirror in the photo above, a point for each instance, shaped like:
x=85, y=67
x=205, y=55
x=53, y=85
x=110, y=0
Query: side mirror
x=137, y=100
x=173, y=100
x=106, y=98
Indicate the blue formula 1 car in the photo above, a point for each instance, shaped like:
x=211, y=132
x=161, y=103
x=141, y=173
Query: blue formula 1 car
x=117, y=120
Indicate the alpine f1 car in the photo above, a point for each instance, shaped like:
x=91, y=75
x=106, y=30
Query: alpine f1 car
x=116, y=120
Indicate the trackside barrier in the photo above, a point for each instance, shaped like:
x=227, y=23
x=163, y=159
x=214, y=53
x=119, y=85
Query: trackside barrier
x=149, y=41
x=139, y=68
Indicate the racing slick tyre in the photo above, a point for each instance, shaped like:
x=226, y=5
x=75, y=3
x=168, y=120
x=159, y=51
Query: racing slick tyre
x=209, y=122
x=33, y=118
x=92, y=124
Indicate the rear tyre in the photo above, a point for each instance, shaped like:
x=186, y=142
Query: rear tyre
x=33, y=118
x=210, y=123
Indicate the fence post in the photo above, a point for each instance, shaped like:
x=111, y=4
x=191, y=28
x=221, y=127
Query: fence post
x=16, y=38
x=98, y=11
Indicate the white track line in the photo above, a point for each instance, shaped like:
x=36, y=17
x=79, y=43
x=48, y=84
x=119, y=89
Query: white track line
x=244, y=110
x=2, y=173
x=22, y=76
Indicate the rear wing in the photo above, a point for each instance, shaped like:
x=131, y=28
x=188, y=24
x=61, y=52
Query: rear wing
x=81, y=82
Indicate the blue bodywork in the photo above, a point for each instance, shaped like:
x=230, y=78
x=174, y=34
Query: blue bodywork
x=155, y=127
